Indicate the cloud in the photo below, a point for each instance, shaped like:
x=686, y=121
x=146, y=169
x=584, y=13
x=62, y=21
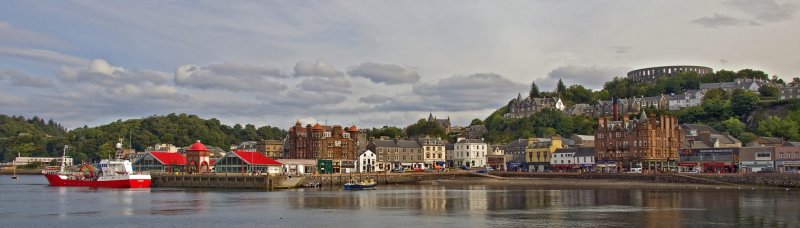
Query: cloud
x=719, y=20
x=390, y=74
x=319, y=69
x=458, y=93
x=11, y=100
x=21, y=79
x=14, y=35
x=234, y=77
x=100, y=72
x=375, y=99
x=590, y=77
x=765, y=10
x=335, y=85
x=51, y=57
x=620, y=49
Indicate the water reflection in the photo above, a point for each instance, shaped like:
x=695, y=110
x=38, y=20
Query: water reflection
x=34, y=204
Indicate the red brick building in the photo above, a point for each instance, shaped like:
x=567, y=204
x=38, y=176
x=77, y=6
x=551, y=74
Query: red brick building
x=649, y=143
x=340, y=145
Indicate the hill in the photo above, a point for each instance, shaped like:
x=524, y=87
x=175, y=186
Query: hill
x=91, y=143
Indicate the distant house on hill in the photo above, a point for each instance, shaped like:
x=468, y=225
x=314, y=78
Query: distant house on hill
x=520, y=108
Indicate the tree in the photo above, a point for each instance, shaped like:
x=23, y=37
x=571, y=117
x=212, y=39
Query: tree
x=747, y=137
x=534, y=90
x=716, y=94
x=768, y=91
x=777, y=127
x=560, y=88
x=476, y=121
x=743, y=102
x=734, y=127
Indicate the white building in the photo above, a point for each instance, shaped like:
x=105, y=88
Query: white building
x=44, y=160
x=690, y=98
x=470, y=153
x=562, y=160
x=366, y=162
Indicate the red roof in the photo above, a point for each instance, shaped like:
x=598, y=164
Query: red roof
x=167, y=158
x=317, y=127
x=352, y=128
x=198, y=147
x=255, y=158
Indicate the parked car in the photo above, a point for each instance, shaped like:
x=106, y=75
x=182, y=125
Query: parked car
x=766, y=170
x=400, y=170
x=481, y=171
x=464, y=167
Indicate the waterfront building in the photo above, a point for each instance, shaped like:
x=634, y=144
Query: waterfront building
x=519, y=108
x=331, y=143
x=539, y=151
x=789, y=92
x=366, y=162
x=709, y=160
x=584, y=158
x=650, y=143
x=434, y=152
x=449, y=149
x=240, y=161
x=707, y=139
x=515, y=151
x=298, y=166
x=754, y=159
x=496, y=158
x=270, y=148
x=470, y=153
x=562, y=160
x=652, y=74
x=156, y=161
x=198, y=158
x=787, y=157
x=396, y=154
x=690, y=98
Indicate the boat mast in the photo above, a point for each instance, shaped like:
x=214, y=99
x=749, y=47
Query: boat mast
x=63, y=158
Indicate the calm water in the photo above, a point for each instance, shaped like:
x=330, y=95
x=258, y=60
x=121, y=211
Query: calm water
x=29, y=202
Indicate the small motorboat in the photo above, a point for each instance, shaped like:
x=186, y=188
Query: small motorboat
x=360, y=185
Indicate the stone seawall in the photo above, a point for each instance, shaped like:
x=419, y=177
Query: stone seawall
x=758, y=179
x=213, y=181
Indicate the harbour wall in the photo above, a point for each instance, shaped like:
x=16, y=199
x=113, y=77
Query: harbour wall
x=213, y=181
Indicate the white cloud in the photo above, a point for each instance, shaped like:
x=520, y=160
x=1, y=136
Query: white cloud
x=319, y=69
x=10, y=34
x=21, y=79
x=385, y=73
x=232, y=77
x=51, y=57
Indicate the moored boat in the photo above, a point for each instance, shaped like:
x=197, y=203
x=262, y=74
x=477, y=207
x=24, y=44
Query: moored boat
x=112, y=174
x=360, y=185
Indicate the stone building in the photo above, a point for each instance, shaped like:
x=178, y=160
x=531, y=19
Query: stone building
x=333, y=143
x=270, y=148
x=652, y=74
x=789, y=92
x=496, y=158
x=690, y=98
x=397, y=154
x=740, y=83
x=582, y=140
x=474, y=132
x=649, y=142
x=444, y=123
x=519, y=107
x=515, y=151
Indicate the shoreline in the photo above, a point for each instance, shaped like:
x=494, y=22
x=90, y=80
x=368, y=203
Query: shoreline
x=565, y=183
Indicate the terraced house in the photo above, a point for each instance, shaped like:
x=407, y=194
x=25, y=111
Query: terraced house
x=396, y=154
x=539, y=151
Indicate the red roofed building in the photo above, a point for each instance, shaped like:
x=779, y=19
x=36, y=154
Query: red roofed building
x=197, y=158
x=239, y=161
x=158, y=161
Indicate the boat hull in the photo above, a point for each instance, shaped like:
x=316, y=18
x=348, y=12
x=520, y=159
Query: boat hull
x=134, y=181
x=359, y=186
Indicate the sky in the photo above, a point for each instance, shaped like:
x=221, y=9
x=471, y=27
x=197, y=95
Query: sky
x=364, y=63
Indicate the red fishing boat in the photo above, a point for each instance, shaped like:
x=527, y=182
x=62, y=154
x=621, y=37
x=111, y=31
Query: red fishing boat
x=112, y=174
